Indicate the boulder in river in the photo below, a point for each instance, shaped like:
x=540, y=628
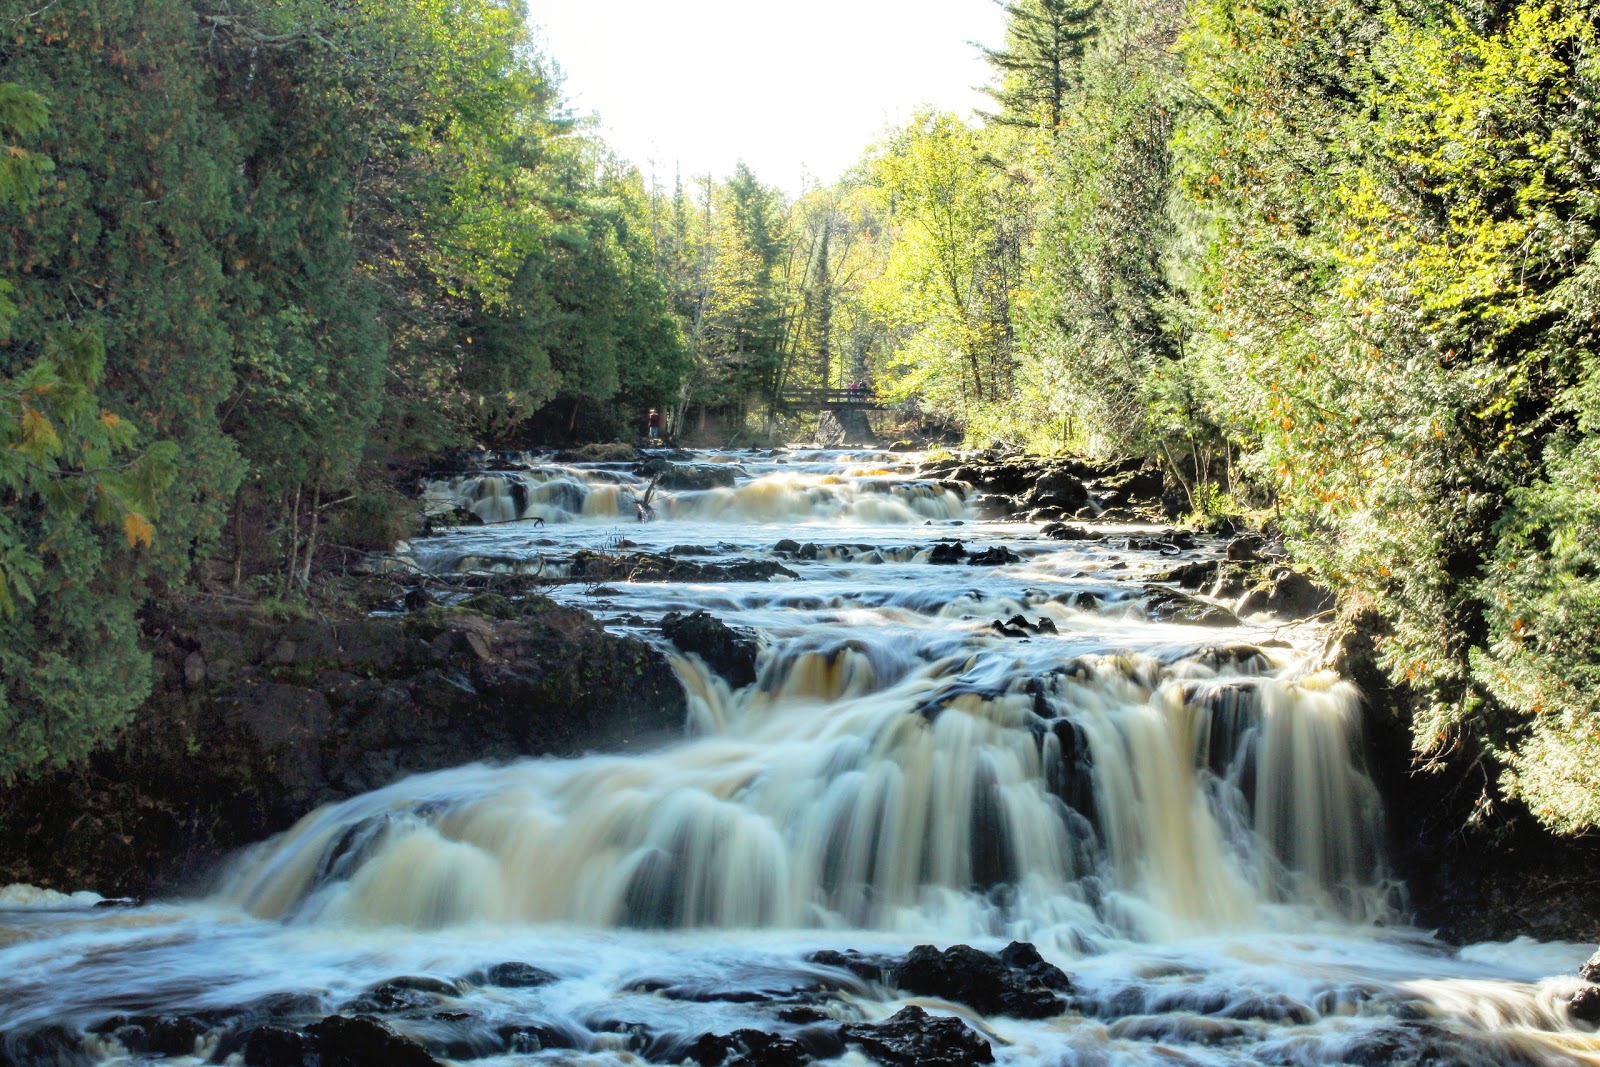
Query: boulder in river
x=913, y=1038
x=1288, y=594
x=1017, y=982
x=361, y=1042
x=1585, y=1004
x=725, y=650
x=997, y=556
x=747, y=1048
x=1590, y=971
x=1169, y=605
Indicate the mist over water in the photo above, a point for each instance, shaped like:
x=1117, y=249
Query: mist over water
x=1177, y=815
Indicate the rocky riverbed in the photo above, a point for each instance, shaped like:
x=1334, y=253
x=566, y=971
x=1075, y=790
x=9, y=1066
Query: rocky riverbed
x=845, y=756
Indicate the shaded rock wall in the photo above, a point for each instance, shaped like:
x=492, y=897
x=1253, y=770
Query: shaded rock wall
x=1476, y=867
x=253, y=723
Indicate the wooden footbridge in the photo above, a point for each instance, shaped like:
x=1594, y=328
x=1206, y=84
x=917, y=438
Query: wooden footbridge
x=831, y=400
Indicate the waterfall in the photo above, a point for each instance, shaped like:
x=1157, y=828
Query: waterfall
x=1143, y=800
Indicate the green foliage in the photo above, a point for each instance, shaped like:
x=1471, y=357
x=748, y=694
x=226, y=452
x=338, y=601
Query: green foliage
x=1400, y=296
x=1038, y=67
x=76, y=511
x=374, y=519
x=121, y=238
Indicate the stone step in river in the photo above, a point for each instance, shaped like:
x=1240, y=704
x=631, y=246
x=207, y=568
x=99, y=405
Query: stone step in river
x=949, y=792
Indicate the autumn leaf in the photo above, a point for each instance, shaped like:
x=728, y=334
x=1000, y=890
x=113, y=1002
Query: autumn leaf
x=138, y=529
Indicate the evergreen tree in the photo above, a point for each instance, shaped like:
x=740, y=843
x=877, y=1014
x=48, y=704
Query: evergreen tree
x=1038, y=67
x=76, y=504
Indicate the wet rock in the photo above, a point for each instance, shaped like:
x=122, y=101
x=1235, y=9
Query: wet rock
x=300, y=713
x=1130, y=487
x=947, y=552
x=1288, y=595
x=614, y=452
x=1590, y=971
x=50, y=1046
x=1168, y=605
x=1060, y=531
x=1180, y=1029
x=345, y=1042
x=997, y=556
x=725, y=650
x=590, y=566
x=1058, y=489
x=1196, y=575
x=1246, y=548
x=275, y=1046
x=747, y=1048
x=1008, y=630
x=1017, y=982
x=512, y=975
x=161, y=1035
x=867, y=968
x=1423, y=1043
x=1269, y=1007
x=404, y=994
x=913, y=1038
x=691, y=476
x=1585, y=1005
x=523, y=1039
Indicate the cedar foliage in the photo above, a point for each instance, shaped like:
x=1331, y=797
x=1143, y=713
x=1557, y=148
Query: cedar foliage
x=294, y=243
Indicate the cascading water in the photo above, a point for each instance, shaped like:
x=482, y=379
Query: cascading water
x=1177, y=815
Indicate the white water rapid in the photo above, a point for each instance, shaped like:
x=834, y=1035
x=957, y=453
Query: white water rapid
x=1175, y=814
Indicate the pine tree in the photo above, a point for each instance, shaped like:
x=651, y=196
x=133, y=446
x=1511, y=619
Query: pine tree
x=1038, y=67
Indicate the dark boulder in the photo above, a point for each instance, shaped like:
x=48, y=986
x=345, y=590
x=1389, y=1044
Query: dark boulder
x=295, y=714
x=867, y=968
x=512, y=975
x=1169, y=605
x=1017, y=982
x=160, y=1035
x=1585, y=1004
x=1060, y=531
x=345, y=1042
x=50, y=1046
x=725, y=650
x=997, y=556
x=1196, y=575
x=747, y=1048
x=405, y=994
x=692, y=477
x=1132, y=486
x=1056, y=489
x=913, y=1038
x=947, y=552
x=275, y=1046
x=1288, y=595
x=1590, y=971
x=1246, y=548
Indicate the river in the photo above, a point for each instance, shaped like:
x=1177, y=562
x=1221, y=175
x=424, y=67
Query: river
x=1176, y=815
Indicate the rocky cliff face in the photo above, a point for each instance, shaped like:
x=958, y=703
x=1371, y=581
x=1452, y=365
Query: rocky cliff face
x=255, y=722
x=1476, y=866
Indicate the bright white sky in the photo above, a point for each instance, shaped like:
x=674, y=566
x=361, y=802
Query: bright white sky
x=794, y=88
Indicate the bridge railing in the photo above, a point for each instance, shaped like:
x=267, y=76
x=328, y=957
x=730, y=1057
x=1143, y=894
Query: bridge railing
x=831, y=398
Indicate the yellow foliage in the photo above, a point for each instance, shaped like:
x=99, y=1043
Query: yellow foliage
x=138, y=530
